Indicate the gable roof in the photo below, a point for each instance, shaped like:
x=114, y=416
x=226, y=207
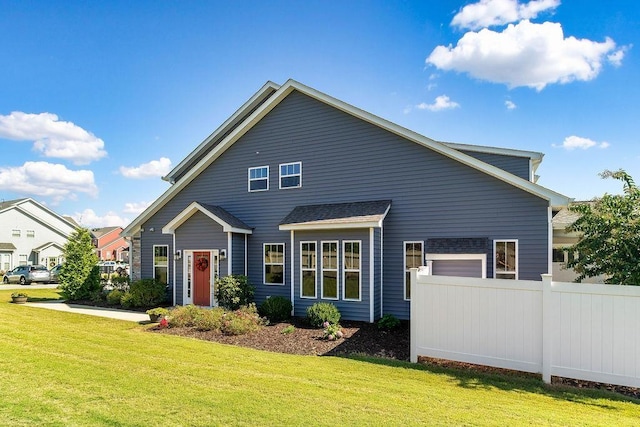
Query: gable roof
x=265, y=100
x=17, y=204
x=100, y=232
x=337, y=215
x=228, y=222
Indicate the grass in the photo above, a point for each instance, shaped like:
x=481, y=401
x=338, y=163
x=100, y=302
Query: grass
x=70, y=370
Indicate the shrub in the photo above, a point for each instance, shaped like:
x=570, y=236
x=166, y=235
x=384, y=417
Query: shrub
x=183, y=316
x=288, y=330
x=276, y=309
x=321, y=312
x=114, y=297
x=79, y=275
x=332, y=331
x=120, y=282
x=242, y=321
x=209, y=320
x=147, y=293
x=388, y=321
x=126, y=301
x=233, y=291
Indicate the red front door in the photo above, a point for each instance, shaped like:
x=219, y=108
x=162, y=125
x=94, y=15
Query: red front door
x=202, y=278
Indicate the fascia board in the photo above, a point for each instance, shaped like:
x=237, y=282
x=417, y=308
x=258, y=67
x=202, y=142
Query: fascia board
x=533, y=155
x=41, y=221
x=188, y=212
x=330, y=226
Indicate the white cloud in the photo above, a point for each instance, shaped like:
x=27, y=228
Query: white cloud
x=153, y=169
x=572, y=142
x=442, y=102
x=525, y=54
x=136, y=207
x=52, y=137
x=487, y=13
x=90, y=219
x=510, y=105
x=47, y=180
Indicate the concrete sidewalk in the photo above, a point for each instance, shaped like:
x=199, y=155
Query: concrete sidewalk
x=4, y=287
x=132, y=316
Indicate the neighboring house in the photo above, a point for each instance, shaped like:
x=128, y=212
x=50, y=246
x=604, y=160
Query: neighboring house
x=31, y=234
x=110, y=245
x=316, y=200
x=562, y=239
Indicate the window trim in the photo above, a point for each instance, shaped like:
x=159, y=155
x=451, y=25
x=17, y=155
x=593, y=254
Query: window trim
x=250, y=180
x=153, y=260
x=516, y=272
x=323, y=269
x=314, y=268
x=345, y=270
x=404, y=262
x=264, y=264
x=280, y=175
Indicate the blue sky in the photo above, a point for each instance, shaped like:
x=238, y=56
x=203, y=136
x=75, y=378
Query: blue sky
x=98, y=100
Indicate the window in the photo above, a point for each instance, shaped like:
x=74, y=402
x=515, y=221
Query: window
x=15, y=233
x=259, y=178
x=329, y=270
x=274, y=263
x=351, y=270
x=161, y=263
x=291, y=175
x=412, y=259
x=558, y=255
x=189, y=275
x=22, y=260
x=31, y=233
x=505, y=259
x=308, y=269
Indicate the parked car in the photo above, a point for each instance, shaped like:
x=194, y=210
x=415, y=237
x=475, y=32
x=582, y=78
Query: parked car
x=54, y=273
x=114, y=267
x=27, y=274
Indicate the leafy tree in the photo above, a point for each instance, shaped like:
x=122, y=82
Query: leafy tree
x=610, y=235
x=79, y=275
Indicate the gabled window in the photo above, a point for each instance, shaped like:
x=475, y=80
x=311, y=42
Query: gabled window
x=15, y=233
x=161, y=263
x=329, y=279
x=258, y=178
x=31, y=233
x=274, y=263
x=412, y=259
x=351, y=277
x=505, y=258
x=308, y=257
x=291, y=175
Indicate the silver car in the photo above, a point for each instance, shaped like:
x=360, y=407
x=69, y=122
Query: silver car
x=27, y=274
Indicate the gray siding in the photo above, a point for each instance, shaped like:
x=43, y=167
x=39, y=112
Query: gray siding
x=238, y=253
x=343, y=160
x=519, y=166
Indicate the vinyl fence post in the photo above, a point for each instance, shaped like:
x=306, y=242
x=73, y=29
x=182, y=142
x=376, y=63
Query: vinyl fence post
x=547, y=336
x=413, y=318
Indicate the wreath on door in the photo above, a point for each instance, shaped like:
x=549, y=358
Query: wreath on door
x=202, y=264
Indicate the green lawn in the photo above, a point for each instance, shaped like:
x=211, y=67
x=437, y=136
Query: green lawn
x=64, y=369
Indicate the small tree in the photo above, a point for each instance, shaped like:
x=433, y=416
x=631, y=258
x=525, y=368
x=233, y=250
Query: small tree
x=79, y=275
x=233, y=291
x=610, y=235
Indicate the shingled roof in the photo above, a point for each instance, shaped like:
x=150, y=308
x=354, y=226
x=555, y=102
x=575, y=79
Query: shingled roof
x=337, y=215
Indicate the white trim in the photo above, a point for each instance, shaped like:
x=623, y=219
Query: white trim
x=173, y=259
x=550, y=240
x=429, y=258
x=404, y=263
x=190, y=210
x=264, y=264
x=292, y=272
x=328, y=225
x=516, y=258
x=214, y=272
x=280, y=187
x=249, y=179
x=371, y=276
x=323, y=269
x=230, y=253
x=246, y=256
x=314, y=269
x=345, y=271
x=555, y=199
x=381, y=271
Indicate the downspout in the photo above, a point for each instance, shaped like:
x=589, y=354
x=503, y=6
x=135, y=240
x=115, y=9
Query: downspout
x=293, y=308
x=229, y=252
x=371, y=275
x=381, y=270
x=246, y=273
x=173, y=237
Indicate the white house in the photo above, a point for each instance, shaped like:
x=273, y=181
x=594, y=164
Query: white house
x=30, y=233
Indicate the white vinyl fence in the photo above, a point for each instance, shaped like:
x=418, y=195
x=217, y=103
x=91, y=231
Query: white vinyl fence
x=582, y=331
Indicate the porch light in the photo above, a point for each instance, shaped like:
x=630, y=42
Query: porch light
x=177, y=255
x=223, y=254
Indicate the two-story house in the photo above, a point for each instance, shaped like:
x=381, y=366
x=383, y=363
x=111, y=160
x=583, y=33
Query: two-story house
x=317, y=200
x=110, y=245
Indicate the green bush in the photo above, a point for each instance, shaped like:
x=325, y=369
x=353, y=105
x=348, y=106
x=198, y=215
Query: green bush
x=209, y=319
x=242, y=321
x=114, y=297
x=321, y=312
x=120, y=282
x=233, y=291
x=126, y=301
x=147, y=293
x=79, y=275
x=184, y=316
x=388, y=321
x=276, y=309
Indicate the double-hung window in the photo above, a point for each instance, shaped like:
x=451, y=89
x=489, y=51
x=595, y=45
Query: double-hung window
x=505, y=256
x=351, y=275
x=308, y=257
x=31, y=233
x=274, y=263
x=258, y=178
x=15, y=233
x=291, y=175
x=161, y=263
x=412, y=259
x=329, y=283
